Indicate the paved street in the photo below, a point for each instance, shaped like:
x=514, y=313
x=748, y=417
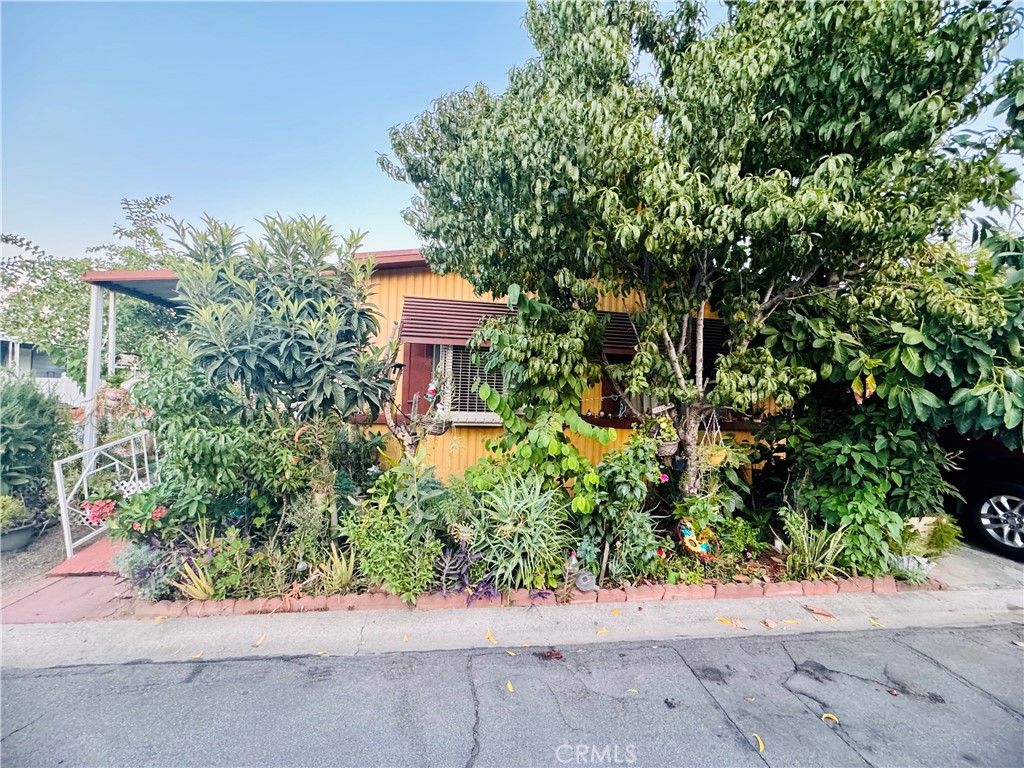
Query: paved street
x=905, y=697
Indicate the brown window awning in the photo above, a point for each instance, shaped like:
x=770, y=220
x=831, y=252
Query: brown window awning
x=447, y=321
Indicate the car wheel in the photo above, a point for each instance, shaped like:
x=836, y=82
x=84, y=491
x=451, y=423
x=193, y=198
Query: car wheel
x=996, y=517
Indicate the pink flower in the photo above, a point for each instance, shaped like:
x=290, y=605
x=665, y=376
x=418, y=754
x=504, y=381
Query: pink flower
x=159, y=513
x=137, y=526
x=664, y=477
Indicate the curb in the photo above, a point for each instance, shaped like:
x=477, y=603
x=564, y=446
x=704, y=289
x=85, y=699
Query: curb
x=521, y=598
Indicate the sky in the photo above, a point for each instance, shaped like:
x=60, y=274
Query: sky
x=234, y=109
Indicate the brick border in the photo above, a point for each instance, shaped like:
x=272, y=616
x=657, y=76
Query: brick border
x=372, y=601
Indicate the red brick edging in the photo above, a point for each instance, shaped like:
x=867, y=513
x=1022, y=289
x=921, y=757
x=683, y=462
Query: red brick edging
x=521, y=597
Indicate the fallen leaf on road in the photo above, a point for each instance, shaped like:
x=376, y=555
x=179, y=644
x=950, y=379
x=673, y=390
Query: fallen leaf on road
x=511, y=653
x=791, y=621
x=829, y=716
x=876, y=623
x=819, y=611
x=631, y=690
x=509, y=686
x=551, y=655
x=893, y=692
x=616, y=611
x=770, y=624
x=321, y=653
x=1019, y=643
x=738, y=624
x=525, y=645
x=405, y=638
x=760, y=744
x=158, y=619
x=722, y=619
x=749, y=698
x=602, y=630
x=259, y=641
x=490, y=638
x=197, y=655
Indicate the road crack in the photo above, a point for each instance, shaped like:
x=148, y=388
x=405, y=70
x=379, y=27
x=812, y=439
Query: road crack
x=474, y=752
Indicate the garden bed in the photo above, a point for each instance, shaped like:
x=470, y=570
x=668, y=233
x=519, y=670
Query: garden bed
x=523, y=598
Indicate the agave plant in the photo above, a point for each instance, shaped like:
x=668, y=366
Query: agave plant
x=523, y=532
x=812, y=553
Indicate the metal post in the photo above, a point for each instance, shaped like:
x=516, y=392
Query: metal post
x=111, y=335
x=92, y=368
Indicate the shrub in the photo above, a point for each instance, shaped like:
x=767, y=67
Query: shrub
x=33, y=430
x=148, y=569
x=13, y=513
x=522, y=532
x=378, y=535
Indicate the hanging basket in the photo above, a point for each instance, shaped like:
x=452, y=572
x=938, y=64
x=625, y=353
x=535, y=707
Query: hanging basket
x=701, y=543
x=437, y=427
x=668, y=448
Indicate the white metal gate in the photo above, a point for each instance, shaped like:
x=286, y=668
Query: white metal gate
x=132, y=464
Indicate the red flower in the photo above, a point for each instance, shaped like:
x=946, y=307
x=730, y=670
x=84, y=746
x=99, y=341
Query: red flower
x=661, y=553
x=159, y=513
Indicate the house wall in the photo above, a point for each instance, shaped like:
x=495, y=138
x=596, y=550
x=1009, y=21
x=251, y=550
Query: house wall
x=464, y=445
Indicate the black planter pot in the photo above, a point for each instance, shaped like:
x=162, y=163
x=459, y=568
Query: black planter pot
x=679, y=463
x=17, y=538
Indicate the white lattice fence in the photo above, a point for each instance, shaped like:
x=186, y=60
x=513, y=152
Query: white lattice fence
x=128, y=465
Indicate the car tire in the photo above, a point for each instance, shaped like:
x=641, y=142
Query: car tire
x=995, y=519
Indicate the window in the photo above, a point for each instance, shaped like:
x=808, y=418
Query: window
x=459, y=377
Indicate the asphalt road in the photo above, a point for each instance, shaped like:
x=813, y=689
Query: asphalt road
x=902, y=698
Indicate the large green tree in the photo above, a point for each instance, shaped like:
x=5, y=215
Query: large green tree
x=738, y=168
x=46, y=303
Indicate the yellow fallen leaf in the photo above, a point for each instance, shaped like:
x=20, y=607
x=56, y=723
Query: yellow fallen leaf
x=876, y=623
x=722, y=619
x=631, y=690
x=791, y=621
x=525, y=645
x=616, y=611
x=602, y=630
x=259, y=641
x=511, y=653
x=490, y=638
x=405, y=638
x=760, y=744
x=830, y=716
x=158, y=619
x=509, y=686
x=197, y=655
x=321, y=653
x=738, y=624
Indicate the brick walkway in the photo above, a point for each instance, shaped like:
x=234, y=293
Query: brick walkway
x=84, y=587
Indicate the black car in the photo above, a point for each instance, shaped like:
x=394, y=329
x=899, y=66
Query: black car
x=990, y=477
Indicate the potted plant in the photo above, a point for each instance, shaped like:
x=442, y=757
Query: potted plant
x=665, y=433
x=17, y=524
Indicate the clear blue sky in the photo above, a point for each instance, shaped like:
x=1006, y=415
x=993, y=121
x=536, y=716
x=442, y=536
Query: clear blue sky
x=234, y=109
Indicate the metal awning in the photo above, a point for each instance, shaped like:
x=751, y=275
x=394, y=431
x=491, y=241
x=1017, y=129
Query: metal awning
x=448, y=321
x=157, y=286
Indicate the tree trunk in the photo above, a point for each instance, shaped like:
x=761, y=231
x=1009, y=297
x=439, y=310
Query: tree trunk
x=689, y=442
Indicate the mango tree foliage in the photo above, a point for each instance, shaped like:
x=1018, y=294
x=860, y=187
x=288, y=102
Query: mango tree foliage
x=741, y=168
x=936, y=338
x=285, y=316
